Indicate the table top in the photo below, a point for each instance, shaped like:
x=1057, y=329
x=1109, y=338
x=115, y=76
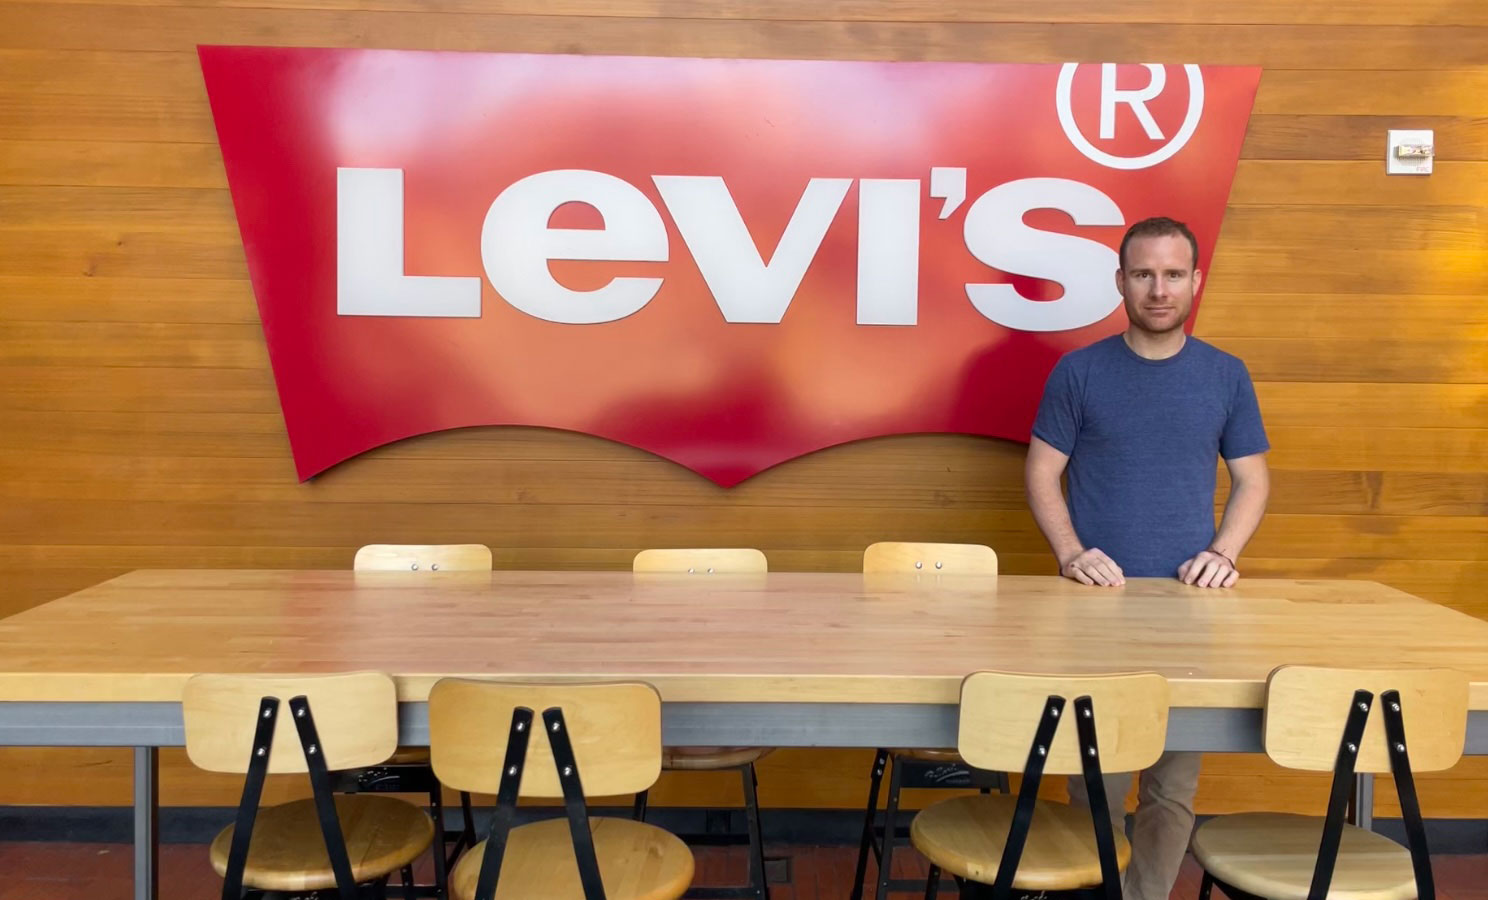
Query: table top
x=782, y=637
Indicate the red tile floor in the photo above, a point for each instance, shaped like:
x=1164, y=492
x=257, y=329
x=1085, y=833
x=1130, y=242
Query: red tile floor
x=58, y=871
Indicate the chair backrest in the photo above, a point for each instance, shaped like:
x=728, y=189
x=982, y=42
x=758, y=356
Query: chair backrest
x=700, y=561
x=1090, y=725
x=423, y=558
x=933, y=559
x=356, y=716
x=614, y=727
x=1307, y=706
x=1001, y=712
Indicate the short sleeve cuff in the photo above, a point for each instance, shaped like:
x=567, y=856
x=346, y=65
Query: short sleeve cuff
x=1064, y=446
x=1262, y=447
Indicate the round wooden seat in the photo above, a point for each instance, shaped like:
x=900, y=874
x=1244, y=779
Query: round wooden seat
x=383, y=834
x=931, y=754
x=636, y=862
x=1273, y=854
x=965, y=837
x=706, y=758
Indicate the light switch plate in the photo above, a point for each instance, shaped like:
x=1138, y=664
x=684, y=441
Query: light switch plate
x=1395, y=165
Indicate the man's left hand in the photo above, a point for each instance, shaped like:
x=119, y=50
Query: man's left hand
x=1208, y=569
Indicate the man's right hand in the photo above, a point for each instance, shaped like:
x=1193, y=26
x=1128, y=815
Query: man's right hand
x=1093, y=567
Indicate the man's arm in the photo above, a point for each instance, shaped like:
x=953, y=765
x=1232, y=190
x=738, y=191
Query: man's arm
x=1250, y=485
x=1046, y=498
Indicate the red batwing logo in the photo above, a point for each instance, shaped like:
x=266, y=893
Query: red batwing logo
x=728, y=263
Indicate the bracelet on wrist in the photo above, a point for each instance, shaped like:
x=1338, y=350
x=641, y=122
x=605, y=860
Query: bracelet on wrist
x=1224, y=556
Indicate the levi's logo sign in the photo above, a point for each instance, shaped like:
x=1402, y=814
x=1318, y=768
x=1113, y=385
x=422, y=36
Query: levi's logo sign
x=729, y=263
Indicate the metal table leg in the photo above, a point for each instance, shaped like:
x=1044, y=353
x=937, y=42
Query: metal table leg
x=146, y=823
x=1364, y=801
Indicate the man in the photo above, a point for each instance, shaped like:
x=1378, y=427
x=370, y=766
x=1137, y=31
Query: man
x=1139, y=419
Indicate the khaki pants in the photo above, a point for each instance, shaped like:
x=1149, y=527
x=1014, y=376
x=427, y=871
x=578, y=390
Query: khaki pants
x=1161, y=826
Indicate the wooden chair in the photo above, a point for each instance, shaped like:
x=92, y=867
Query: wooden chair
x=994, y=844
x=904, y=557
x=423, y=558
x=915, y=768
x=1347, y=721
x=553, y=741
x=700, y=561
x=256, y=726
x=408, y=770
x=732, y=561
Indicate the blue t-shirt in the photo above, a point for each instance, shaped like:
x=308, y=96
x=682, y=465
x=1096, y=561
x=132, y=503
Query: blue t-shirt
x=1144, y=437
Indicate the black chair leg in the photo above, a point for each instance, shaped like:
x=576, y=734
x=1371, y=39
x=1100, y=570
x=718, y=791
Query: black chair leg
x=932, y=883
x=875, y=779
x=756, y=837
x=639, y=812
x=891, y=812
x=467, y=835
x=437, y=848
x=1206, y=886
x=406, y=873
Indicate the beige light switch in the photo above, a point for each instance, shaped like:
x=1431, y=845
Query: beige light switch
x=1410, y=152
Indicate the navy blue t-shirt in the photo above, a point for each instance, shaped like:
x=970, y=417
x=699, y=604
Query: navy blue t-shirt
x=1144, y=437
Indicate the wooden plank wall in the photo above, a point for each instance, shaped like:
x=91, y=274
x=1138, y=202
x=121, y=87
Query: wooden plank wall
x=141, y=428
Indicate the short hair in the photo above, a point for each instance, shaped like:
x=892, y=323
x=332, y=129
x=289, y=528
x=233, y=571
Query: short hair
x=1159, y=226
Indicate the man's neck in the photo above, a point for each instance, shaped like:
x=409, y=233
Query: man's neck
x=1154, y=346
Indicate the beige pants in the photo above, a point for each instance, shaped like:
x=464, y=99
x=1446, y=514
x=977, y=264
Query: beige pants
x=1161, y=826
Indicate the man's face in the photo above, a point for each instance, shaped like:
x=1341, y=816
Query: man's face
x=1158, y=282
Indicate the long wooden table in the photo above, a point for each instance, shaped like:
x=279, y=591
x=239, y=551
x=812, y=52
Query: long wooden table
x=784, y=659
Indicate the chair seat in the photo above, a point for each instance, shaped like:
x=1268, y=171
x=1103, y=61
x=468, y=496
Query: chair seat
x=409, y=756
x=708, y=758
x=930, y=754
x=965, y=837
x=1272, y=855
x=287, y=853
x=636, y=862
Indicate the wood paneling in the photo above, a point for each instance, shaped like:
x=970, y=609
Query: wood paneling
x=1358, y=137
x=1279, y=182
x=49, y=26
x=142, y=428
x=1252, y=12
x=1445, y=92
x=1352, y=317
